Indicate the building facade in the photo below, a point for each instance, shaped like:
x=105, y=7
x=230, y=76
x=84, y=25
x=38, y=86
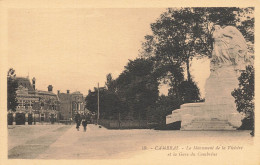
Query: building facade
x=71, y=104
x=46, y=106
x=43, y=105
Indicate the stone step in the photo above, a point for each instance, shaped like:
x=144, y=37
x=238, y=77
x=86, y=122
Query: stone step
x=210, y=121
x=215, y=126
x=200, y=126
x=208, y=129
x=211, y=125
x=206, y=125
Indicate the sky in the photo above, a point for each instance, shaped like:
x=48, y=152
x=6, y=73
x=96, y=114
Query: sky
x=76, y=48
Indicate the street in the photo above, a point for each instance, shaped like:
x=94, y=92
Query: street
x=65, y=142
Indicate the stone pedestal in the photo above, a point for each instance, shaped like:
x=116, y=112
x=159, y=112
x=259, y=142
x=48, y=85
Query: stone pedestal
x=213, y=124
x=218, y=112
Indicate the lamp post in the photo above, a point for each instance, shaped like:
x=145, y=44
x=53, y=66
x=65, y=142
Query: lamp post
x=98, y=105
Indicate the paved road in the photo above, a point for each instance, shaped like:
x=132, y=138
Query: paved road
x=27, y=142
x=95, y=143
x=65, y=142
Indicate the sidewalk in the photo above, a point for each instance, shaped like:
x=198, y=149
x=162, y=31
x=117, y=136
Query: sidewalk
x=27, y=142
x=72, y=143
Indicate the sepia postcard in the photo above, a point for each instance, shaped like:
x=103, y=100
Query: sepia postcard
x=129, y=82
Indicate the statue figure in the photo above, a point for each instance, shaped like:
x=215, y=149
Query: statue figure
x=229, y=48
x=229, y=57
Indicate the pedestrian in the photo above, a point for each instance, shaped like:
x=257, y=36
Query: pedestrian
x=77, y=120
x=84, y=124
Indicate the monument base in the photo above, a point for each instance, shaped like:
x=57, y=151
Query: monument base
x=202, y=117
x=212, y=124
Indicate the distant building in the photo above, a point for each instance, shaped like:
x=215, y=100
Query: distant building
x=65, y=105
x=78, y=102
x=71, y=104
x=44, y=105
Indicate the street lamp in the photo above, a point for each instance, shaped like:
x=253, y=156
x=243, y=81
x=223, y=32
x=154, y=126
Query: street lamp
x=98, y=105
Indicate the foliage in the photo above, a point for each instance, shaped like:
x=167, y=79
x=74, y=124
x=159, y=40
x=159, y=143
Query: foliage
x=189, y=92
x=108, y=103
x=110, y=83
x=12, y=86
x=163, y=107
x=180, y=34
x=138, y=87
x=130, y=95
x=244, y=94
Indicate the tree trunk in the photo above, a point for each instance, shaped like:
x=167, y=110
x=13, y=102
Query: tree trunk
x=119, y=119
x=188, y=70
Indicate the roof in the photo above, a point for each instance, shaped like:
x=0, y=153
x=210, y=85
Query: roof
x=76, y=93
x=25, y=82
x=45, y=93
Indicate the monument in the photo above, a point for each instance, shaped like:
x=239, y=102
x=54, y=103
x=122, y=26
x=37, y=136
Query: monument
x=218, y=112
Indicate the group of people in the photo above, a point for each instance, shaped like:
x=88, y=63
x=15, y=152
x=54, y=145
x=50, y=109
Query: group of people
x=82, y=119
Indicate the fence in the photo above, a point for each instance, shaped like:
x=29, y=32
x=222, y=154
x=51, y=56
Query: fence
x=126, y=124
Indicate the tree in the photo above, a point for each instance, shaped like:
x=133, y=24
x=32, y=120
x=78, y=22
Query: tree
x=163, y=107
x=110, y=83
x=130, y=95
x=12, y=86
x=189, y=92
x=138, y=87
x=91, y=101
x=174, y=43
x=172, y=38
x=110, y=104
x=244, y=95
x=180, y=34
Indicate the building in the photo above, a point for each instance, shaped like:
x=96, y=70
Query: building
x=78, y=102
x=71, y=104
x=65, y=105
x=44, y=105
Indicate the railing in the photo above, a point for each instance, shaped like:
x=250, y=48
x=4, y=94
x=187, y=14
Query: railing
x=125, y=124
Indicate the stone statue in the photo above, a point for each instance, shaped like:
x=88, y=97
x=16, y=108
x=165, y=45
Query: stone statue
x=229, y=48
x=218, y=112
x=229, y=57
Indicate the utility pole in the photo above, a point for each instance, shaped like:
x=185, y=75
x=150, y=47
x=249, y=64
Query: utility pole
x=98, y=105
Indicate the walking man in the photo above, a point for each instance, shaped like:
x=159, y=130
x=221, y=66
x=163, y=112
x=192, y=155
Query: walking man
x=77, y=120
x=84, y=123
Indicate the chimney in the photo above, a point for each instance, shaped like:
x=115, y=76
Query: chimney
x=68, y=91
x=33, y=82
x=50, y=88
x=58, y=92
